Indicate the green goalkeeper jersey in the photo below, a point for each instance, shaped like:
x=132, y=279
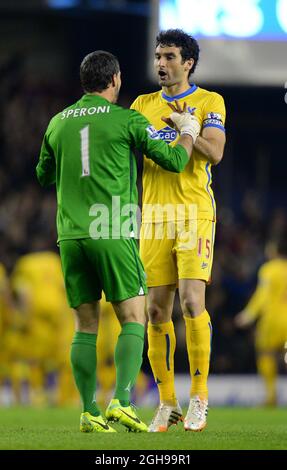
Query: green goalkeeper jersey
x=87, y=152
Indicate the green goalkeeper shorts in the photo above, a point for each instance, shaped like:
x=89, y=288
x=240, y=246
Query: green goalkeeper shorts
x=92, y=266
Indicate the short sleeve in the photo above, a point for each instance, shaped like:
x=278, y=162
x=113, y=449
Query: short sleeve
x=214, y=112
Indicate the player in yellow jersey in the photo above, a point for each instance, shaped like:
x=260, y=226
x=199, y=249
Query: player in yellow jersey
x=178, y=228
x=268, y=306
x=38, y=284
x=13, y=370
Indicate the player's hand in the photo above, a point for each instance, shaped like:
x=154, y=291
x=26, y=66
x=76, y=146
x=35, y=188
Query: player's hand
x=176, y=108
x=181, y=120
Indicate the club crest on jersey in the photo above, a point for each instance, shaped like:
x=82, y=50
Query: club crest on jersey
x=191, y=110
x=168, y=134
x=152, y=133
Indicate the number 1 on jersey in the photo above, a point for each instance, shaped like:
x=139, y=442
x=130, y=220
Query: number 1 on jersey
x=85, y=157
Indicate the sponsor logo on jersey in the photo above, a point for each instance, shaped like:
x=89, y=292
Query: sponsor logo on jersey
x=168, y=134
x=204, y=265
x=152, y=133
x=214, y=116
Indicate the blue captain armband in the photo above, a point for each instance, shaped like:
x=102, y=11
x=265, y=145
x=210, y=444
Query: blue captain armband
x=213, y=120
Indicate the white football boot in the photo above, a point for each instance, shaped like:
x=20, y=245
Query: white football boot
x=195, y=419
x=165, y=417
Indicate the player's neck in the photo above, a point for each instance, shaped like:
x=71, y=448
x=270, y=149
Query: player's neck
x=176, y=89
x=107, y=94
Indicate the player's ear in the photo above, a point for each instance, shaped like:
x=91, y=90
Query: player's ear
x=114, y=80
x=188, y=64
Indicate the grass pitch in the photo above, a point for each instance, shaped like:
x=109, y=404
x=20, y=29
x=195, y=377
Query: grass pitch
x=228, y=428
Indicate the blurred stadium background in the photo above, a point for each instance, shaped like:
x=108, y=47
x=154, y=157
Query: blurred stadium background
x=244, y=58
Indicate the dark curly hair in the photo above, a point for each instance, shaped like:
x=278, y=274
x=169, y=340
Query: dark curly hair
x=97, y=70
x=189, y=47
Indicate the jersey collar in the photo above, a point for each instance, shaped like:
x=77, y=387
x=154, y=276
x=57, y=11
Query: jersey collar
x=190, y=90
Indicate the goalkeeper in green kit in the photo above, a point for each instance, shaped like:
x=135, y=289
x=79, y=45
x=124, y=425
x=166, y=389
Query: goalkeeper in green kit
x=87, y=152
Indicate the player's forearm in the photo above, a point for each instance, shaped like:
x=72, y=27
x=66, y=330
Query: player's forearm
x=256, y=304
x=244, y=319
x=178, y=159
x=251, y=315
x=210, y=149
x=169, y=158
x=186, y=142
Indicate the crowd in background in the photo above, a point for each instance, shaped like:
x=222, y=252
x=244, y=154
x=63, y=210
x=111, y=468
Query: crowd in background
x=27, y=222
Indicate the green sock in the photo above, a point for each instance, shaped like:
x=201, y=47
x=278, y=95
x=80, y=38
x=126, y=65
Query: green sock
x=84, y=361
x=128, y=360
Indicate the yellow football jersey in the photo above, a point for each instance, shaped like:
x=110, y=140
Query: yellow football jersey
x=269, y=301
x=39, y=276
x=38, y=280
x=193, y=185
